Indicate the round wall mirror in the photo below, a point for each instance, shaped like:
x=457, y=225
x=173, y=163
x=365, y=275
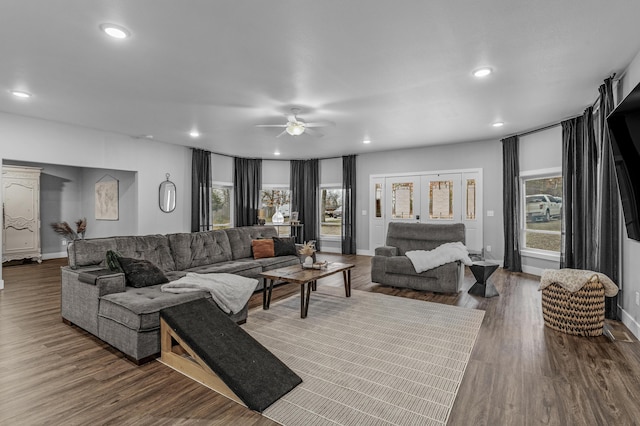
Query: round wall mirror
x=167, y=196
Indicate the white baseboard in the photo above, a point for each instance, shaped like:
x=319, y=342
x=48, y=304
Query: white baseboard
x=59, y=255
x=532, y=270
x=331, y=250
x=630, y=322
x=365, y=252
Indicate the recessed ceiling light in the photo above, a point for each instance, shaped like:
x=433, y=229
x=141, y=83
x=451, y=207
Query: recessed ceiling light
x=115, y=31
x=194, y=134
x=276, y=153
x=482, y=72
x=498, y=124
x=366, y=141
x=20, y=94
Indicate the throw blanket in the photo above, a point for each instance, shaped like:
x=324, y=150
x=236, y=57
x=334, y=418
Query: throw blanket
x=230, y=292
x=573, y=280
x=423, y=260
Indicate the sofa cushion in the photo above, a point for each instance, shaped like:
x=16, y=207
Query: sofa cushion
x=138, y=308
x=278, y=262
x=402, y=265
x=246, y=267
x=262, y=248
x=240, y=239
x=422, y=236
x=141, y=273
x=154, y=248
x=284, y=246
x=89, y=252
x=190, y=250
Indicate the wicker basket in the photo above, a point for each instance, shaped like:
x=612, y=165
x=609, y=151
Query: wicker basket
x=580, y=313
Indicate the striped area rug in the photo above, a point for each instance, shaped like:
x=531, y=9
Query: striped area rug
x=369, y=359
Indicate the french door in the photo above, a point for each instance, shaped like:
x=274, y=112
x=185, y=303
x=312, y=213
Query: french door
x=447, y=197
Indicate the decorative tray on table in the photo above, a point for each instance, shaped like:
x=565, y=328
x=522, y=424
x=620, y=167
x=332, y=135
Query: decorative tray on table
x=316, y=265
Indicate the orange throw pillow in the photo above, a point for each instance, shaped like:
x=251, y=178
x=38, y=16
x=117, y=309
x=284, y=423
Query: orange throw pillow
x=262, y=248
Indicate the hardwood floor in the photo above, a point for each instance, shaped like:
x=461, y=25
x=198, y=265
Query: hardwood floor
x=520, y=372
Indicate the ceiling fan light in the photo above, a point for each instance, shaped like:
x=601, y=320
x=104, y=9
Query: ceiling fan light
x=295, y=128
x=115, y=31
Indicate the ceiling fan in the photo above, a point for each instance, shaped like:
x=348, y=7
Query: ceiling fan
x=296, y=126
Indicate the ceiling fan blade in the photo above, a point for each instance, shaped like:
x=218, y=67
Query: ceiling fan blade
x=313, y=132
x=271, y=125
x=320, y=124
x=282, y=134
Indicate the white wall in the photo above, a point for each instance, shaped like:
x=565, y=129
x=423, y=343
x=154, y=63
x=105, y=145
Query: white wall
x=630, y=248
x=540, y=151
x=483, y=154
x=40, y=141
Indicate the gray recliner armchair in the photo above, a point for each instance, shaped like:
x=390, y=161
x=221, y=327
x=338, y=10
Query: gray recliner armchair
x=391, y=267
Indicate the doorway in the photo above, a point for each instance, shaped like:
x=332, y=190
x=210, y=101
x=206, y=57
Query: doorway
x=453, y=196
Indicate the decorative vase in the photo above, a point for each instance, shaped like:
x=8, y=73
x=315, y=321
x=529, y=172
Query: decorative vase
x=308, y=261
x=277, y=217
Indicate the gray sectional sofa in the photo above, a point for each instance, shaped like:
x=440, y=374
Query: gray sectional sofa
x=391, y=267
x=100, y=302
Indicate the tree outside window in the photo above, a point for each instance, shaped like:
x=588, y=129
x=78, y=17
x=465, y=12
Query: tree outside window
x=330, y=212
x=221, y=207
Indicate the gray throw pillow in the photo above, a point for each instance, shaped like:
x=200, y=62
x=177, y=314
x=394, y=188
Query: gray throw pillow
x=284, y=246
x=141, y=273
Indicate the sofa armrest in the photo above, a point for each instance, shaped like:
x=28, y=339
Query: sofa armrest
x=386, y=251
x=104, y=282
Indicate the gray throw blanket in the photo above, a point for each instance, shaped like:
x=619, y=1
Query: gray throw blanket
x=230, y=292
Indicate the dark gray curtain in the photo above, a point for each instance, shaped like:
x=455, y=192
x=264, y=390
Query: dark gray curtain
x=608, y=253
x=247, y=183
x=511, y=203
x=349, y=204
x=579, y=165
x=305, y=183
x=200, y=190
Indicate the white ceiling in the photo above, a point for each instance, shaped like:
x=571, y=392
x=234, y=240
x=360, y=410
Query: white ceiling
x=396, y=72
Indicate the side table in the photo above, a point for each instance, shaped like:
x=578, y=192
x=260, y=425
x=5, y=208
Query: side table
x=482, y=271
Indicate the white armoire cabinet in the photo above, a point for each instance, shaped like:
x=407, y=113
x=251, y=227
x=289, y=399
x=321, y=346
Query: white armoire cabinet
x=21, y=212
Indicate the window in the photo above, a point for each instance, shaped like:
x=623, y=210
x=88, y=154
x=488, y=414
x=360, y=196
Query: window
x=331, y=211
x=402, y=200
x=277, y=198
x=221, y=206
x=542, y=211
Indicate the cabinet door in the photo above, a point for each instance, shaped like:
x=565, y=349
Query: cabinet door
x=21, y=226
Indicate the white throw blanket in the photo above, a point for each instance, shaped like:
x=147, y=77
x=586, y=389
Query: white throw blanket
x=573, y=280
x=423, y=260
x=230, y=292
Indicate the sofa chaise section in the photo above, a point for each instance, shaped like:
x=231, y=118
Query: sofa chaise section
x=101, y=302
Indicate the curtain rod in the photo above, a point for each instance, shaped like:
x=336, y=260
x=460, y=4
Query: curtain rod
x=271, y=159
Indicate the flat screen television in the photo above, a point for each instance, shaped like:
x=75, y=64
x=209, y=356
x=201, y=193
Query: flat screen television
x=624, y=129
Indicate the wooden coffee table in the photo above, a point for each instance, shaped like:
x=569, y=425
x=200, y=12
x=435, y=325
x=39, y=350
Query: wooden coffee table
x=307, y=278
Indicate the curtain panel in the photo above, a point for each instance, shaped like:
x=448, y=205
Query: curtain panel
x=608, y=211
x=247, y=183
x=349, y=204
x=305, y=184
x=579, y=165
x=511, y=203
x=200, y=190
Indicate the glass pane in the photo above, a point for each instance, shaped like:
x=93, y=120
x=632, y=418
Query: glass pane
x=402, y=200
x=378, y=200
x=221, y=207
x=543, y=241
x=543, y=213
x=330, y=212
x=543, y=203
x=441, y=199
x=471, y=199
x=275, y=199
